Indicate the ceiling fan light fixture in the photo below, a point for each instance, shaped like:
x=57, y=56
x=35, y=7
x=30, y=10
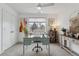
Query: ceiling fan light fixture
x=39, y=8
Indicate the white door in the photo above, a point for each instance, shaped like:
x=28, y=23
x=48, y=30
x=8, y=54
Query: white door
x=0, y=30
x=6, y=30
x=9, y=30
x=13, y=29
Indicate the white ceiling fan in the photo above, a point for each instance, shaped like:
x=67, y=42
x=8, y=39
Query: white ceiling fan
x=45, y=4
x=41, y=5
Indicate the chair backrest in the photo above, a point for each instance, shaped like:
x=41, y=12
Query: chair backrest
x=28, y=41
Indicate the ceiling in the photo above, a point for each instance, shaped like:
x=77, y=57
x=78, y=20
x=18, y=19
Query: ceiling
x=32, y=7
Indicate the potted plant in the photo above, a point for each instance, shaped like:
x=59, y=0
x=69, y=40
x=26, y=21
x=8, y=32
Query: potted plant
x=64, y=31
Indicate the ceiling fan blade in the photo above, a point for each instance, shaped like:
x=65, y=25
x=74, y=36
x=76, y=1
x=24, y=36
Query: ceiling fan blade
x=46, y=4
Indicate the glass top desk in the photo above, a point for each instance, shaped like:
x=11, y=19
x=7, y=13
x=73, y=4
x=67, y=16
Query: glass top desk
x=28, y=41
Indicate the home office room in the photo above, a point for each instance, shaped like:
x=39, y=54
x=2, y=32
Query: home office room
x=39, y=29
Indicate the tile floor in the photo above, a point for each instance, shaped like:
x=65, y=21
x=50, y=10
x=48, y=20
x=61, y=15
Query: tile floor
x=17, y=50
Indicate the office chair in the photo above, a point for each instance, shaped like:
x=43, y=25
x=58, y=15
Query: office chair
x=37, y=47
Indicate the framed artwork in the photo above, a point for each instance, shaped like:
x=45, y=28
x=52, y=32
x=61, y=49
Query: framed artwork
x=74, y=24
x=37, y=25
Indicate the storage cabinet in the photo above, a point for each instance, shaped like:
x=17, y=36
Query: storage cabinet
x=75, y=46
x=70, y=43
x=63, y=40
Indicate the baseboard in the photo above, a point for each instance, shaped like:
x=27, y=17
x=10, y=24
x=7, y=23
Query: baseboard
x=70, y=51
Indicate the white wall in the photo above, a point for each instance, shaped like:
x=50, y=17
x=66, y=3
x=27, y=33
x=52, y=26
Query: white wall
x=9, y=26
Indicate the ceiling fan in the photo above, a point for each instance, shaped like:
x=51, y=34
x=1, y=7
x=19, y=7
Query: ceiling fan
x=41, y=5
x=45, y=4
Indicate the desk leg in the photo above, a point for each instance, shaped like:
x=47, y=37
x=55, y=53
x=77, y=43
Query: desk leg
x=46, y=46
x=23, y=50
x=49, y=49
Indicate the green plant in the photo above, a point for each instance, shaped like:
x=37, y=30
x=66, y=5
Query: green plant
x=25, y=30
x=63, y=29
